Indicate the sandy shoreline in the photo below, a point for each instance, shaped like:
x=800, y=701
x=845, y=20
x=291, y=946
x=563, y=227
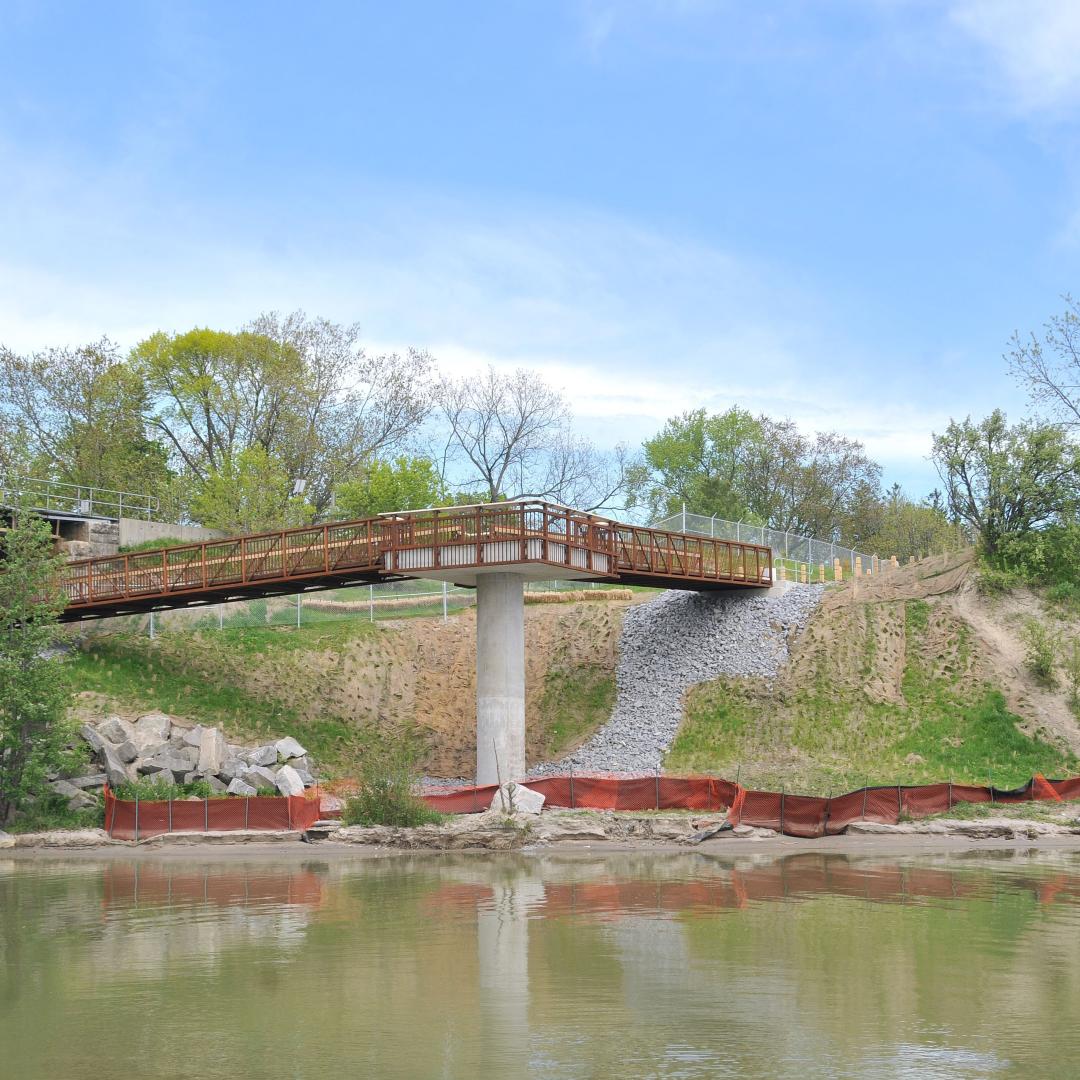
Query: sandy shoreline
x=722, y=849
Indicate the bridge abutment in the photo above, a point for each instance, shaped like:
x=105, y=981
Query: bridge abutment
x=500, y=677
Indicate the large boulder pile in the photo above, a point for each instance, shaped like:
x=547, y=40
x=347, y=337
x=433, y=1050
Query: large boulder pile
x=162, y=749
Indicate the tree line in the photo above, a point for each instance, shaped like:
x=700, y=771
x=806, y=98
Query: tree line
x=290, y=420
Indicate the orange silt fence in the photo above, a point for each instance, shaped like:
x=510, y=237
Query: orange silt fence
x=793, y=815
x=140, y=819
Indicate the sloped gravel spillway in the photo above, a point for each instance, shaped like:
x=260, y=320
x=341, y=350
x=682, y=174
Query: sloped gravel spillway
x=670, y=644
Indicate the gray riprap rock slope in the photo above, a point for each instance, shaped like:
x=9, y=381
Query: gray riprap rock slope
x=672, y=643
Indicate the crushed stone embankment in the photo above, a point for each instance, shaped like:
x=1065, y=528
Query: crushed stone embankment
x=673, y=643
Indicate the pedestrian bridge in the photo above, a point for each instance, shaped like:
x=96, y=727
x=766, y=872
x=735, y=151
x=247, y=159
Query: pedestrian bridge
x=534, y=540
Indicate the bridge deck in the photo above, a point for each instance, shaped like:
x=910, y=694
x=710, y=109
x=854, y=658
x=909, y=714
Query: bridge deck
x=539, y=539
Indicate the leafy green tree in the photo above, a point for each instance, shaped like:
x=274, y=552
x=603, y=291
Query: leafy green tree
x=700, y=461
x=762, y=470
x=302, y=390
x=250, y=492
x=405, y=483
x=79, y=416
x=905, y=527
x=34, y=695
x=1005, y=480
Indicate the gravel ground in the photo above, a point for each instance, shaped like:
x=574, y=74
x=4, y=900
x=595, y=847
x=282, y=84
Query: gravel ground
x=669, y=645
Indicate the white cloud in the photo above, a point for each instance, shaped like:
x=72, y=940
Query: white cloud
x=634, y=325
x=1035, y=43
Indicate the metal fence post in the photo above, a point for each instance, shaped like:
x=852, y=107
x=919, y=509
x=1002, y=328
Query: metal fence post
x=444, y=590
x=136, y=818
x=298, y=611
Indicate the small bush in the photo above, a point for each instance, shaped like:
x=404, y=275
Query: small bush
x=154, y=789
x=996, y=581
x=1042, y=651
x=152, y=545
x=48, y=812
x=387, y=776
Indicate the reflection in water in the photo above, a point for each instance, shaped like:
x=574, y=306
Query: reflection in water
x=555, y=965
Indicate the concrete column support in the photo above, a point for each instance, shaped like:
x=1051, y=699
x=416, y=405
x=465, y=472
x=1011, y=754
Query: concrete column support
x=500, y=677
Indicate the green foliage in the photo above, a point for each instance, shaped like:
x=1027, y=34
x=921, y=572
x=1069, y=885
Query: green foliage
x=700, y=460
x=405, y=483
x=33, y=691
x=995, y=581
x=152, y=788
x=152, y=545
x=905, y=528
x=250, y=492
x=50, y=811
x=387, y=776
x=1042, y=647
x=760, y=470
x=1049, y=556
x=1005, y=481
x=302, y=391
x=79, y=417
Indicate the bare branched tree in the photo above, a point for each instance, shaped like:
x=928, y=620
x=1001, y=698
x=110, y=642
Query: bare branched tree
x=502, y=428
x=510, y=436
x=1050, y=368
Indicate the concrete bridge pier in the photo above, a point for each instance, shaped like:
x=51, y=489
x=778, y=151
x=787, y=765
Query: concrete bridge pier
x=500, y=677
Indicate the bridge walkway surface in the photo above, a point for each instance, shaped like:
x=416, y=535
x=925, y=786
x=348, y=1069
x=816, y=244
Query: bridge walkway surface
x=458, y=544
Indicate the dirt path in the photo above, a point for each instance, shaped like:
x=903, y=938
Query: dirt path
x=998, y=624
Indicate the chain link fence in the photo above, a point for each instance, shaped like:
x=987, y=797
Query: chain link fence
x=370, y=603
x=789, y=549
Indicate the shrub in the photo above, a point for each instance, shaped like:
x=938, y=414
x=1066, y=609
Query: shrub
x=48, y=812
x=152, y=789
x=1042, y=650
x=386, y=797
x=1071, y=664
x=996, y=581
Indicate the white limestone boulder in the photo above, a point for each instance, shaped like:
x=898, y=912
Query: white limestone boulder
x=289, y=782
x=288, y=748
x=512, y=798
x=212, y=750
x=152, y=729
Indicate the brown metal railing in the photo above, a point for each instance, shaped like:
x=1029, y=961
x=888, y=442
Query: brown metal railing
x=412, y=544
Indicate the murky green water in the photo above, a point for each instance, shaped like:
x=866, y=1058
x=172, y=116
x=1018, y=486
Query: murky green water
x=636, y=965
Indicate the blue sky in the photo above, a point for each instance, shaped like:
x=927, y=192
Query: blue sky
x=834, y=211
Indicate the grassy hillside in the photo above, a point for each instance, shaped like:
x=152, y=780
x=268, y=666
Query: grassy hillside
x=340, y=685
x=886, y=693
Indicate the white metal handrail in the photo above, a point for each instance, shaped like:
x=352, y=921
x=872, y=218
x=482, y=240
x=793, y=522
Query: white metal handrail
x=80, y=500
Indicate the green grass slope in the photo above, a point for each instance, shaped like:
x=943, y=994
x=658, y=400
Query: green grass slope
x=880, y=693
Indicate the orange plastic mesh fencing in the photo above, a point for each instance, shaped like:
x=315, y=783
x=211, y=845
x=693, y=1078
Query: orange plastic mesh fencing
x=1043, y=789
x=793, y=815
x=138, y=819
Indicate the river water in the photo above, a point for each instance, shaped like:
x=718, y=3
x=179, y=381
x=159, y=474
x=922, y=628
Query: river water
x=577, y=965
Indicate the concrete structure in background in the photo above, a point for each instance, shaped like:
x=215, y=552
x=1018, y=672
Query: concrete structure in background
x=500, y=677
x=90, y=522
